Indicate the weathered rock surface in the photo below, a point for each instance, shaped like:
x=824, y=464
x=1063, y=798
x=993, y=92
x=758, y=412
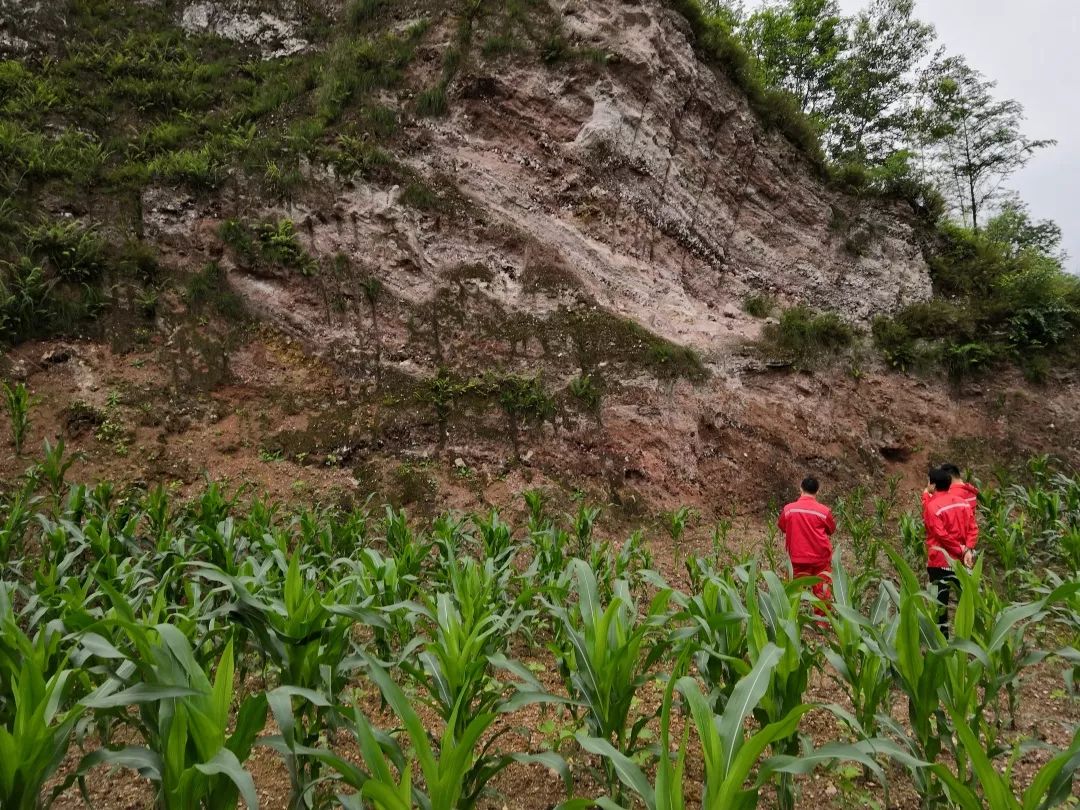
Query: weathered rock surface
x=575, y=199
x=245, y=22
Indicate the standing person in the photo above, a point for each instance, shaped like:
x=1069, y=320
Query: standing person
x=950, y=538
x=807, y=526
x=960, y=487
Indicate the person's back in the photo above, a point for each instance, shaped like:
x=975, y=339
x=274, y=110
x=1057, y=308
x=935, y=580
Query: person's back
x=807, y=525
x=950, y=537
x=950, y=528
x=962, y=489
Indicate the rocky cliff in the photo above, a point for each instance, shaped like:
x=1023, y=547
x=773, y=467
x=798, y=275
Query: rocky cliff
x=549, y=269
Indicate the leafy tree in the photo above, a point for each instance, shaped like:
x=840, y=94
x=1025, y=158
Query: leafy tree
x=1013, y=227
x=798, y=44
x=730, y=11
x=974, y=138
x=875, y=82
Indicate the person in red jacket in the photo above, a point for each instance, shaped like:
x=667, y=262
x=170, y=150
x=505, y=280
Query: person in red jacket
x=961, y=488
x=950, y=538
x=807, y=526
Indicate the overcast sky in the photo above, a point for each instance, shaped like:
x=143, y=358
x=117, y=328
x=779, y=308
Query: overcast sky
x=1031, y=49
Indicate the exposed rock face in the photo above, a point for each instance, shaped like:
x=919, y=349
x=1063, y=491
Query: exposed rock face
x=644, y=189
x=679, y=144
x=649, y=183
x=244, y=22
x=581, y=207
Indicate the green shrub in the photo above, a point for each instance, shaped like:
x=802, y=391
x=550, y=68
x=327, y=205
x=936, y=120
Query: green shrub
x=74, y=252
x=166, y=135
x=938, y=318
x=282, y=179
x=278, y=244
x=18, y=402
x=419, y=194
x=804, y=335
x=965, y=263
x=380, y=120
x=524, y=398
x=138, y=259
x=272, y=242
x=1035, y=368
x=585, y=390
x=499, y=45
x=555, y=48
x=238, y=236
x=210, y=288
x=357, y=67
x=895, y=342
x=895, y=178
x=968, y=359
x=432, y=103
x=1040, y=328
x=358, y=155
x=671, y=362
x=200, y=168
x=603, y=336
x=1003, y=303
x=758, y=306
x=360, y=12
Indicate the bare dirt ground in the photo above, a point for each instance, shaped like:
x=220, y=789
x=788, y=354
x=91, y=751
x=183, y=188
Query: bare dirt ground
x=280, y=421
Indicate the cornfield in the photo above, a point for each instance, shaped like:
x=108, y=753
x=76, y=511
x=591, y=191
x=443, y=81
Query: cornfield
x=393, y=667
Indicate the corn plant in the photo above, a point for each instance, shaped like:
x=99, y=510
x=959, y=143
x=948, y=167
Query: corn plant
x=549, y=564
x=776, y=621
x=18, y=402
x=583, y=523
x=997, y=787
x=17, y=511
x=862, y=529
x=675, y=522
x=714, y=633
x=456, y=767
x=730, y=752
x=447, y=536
x=609, y=655
x=53, y=467
x=36, y=717
x=329, y=537
x=912, y=542
x=35, y=733
x=535, y=502
x=184, y=718
x=469, y=635
x=999, y=638
x=916, y=651
x=390, y=588
x=496, y=538
x=855, y=652
x=306, y=638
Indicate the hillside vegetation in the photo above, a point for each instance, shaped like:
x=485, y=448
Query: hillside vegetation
x=881, y=111
x=126, y=101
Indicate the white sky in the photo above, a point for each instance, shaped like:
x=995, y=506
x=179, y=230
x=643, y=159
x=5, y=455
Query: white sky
x=1031, y=50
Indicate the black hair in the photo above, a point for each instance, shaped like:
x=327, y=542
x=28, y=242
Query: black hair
x=810, y=485
x=952, y=470
x=940, y=479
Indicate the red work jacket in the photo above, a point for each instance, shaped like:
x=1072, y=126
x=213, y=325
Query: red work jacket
x=966, y=491
x=950, y=528
x=806, y=525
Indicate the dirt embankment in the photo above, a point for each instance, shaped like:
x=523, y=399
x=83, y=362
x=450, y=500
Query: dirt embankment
x=594, y=224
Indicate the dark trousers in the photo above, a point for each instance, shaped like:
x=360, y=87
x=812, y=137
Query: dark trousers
x=945, y=580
